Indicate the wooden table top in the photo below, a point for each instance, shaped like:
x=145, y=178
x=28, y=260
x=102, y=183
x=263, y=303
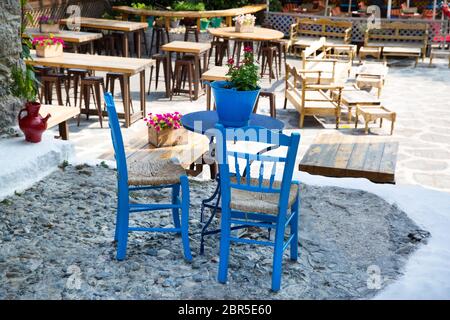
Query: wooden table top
x=353, y=97
x=339, y=155
x=192, y=14
x=259, y=34
x=186, y=47
x=58, y=114
x=216, y=73
x=404, y=50
x=373, y=69
x=93, y=62
x=66, y=35
x=107, y=24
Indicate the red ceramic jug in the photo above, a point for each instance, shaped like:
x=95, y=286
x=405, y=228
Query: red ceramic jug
x=32, y=125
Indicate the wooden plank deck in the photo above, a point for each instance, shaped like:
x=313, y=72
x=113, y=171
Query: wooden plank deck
x=337, y=155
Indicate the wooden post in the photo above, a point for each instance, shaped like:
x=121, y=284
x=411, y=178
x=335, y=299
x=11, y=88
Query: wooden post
x=229, y=21
x=167, y=23
x=199, y=23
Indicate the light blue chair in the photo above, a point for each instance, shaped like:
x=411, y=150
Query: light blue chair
x=258, y=202
x=144, y=176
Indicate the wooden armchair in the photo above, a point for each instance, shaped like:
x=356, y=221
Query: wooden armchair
x=310, y=97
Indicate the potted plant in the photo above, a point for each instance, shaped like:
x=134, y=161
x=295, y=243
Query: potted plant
x=25, y=86
x=189, y=5
x=216, y=22
x=48, y=47
x=245, y=23
x=165, y=130
x=204, y=23
x=160, y=22
x=236, y=98
x=48, y=24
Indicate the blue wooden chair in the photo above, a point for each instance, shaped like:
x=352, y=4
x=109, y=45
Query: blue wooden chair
x=258, y=202
x=144, y=176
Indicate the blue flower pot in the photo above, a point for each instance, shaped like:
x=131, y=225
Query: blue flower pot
x=233, y=107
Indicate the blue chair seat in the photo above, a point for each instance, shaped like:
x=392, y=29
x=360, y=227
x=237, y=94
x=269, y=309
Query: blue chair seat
x=154, y=173
x=249, y=201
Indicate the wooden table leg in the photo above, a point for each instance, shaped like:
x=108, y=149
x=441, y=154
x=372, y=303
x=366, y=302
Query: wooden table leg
x=125, y=44
x=142, y=93
x=196, y=77
x=138, y=43
x=64, y=130
x=91, y=47
x=208, y=97
x=168, y=67
x=126, y=99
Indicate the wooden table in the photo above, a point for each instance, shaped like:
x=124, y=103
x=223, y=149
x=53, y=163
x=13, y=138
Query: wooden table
x=59, y=116
x=138, y=149
x=372, y=74
x=338, y=155
x=127, y=66
x=126, y=27
x=217, y=73
x=168, y=14
x=76, y=38
x=352, y=97
x=402, y=52
x=436, y=52
x=371, y=113
x=197, y=49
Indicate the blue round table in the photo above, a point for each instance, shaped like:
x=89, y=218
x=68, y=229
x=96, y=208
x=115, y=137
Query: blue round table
x=209, y=119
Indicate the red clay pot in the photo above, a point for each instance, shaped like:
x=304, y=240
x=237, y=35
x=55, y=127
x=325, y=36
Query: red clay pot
x=32, y=125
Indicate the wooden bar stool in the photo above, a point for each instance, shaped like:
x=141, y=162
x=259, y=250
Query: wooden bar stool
x=183, y=67
x=272, y=99
x=269, y=58
x=159, y=58
x=191, y=30
x=111, y=78
x=76, y=75
x=40, y=71
x=221, y=48
x=158, y=35
x=88, y=85
x=57, y=79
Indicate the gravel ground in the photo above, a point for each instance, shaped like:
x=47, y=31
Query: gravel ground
x=56, y=243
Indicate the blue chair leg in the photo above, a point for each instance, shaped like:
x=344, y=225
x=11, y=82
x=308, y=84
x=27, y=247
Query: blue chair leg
x=116, y=233
x=176, y=211
x=278, y=257
x=122, y=225
x=224, y=246
x=185, y=217
x=294, y=230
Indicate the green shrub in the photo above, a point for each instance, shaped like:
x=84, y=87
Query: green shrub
x=189, y=5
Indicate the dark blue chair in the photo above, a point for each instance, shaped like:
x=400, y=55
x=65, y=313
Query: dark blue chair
x=256, y=201
x=144, y=176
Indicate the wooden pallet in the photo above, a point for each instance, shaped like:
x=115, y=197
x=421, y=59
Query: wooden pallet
x=336, y=155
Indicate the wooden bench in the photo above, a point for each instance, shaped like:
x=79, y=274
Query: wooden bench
x=398, y=35
x=311, y=98
x=338, y=155
x=307, y=30
x=59, y=116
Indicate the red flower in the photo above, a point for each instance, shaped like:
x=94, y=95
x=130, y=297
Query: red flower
x=231, y=61
x=248, y=49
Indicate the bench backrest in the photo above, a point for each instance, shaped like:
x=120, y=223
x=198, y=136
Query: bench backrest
x=398, y=32
x=57, y=9
x=323, y=27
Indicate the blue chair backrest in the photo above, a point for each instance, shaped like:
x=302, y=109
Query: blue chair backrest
x=242, y=160
x=116, y=136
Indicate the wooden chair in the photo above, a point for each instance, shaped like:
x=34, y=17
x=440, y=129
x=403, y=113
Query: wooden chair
x=145, y=176
x=310, y=97
x=255, y=201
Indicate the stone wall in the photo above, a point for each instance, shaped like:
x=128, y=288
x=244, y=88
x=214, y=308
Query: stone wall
x=10, y=48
